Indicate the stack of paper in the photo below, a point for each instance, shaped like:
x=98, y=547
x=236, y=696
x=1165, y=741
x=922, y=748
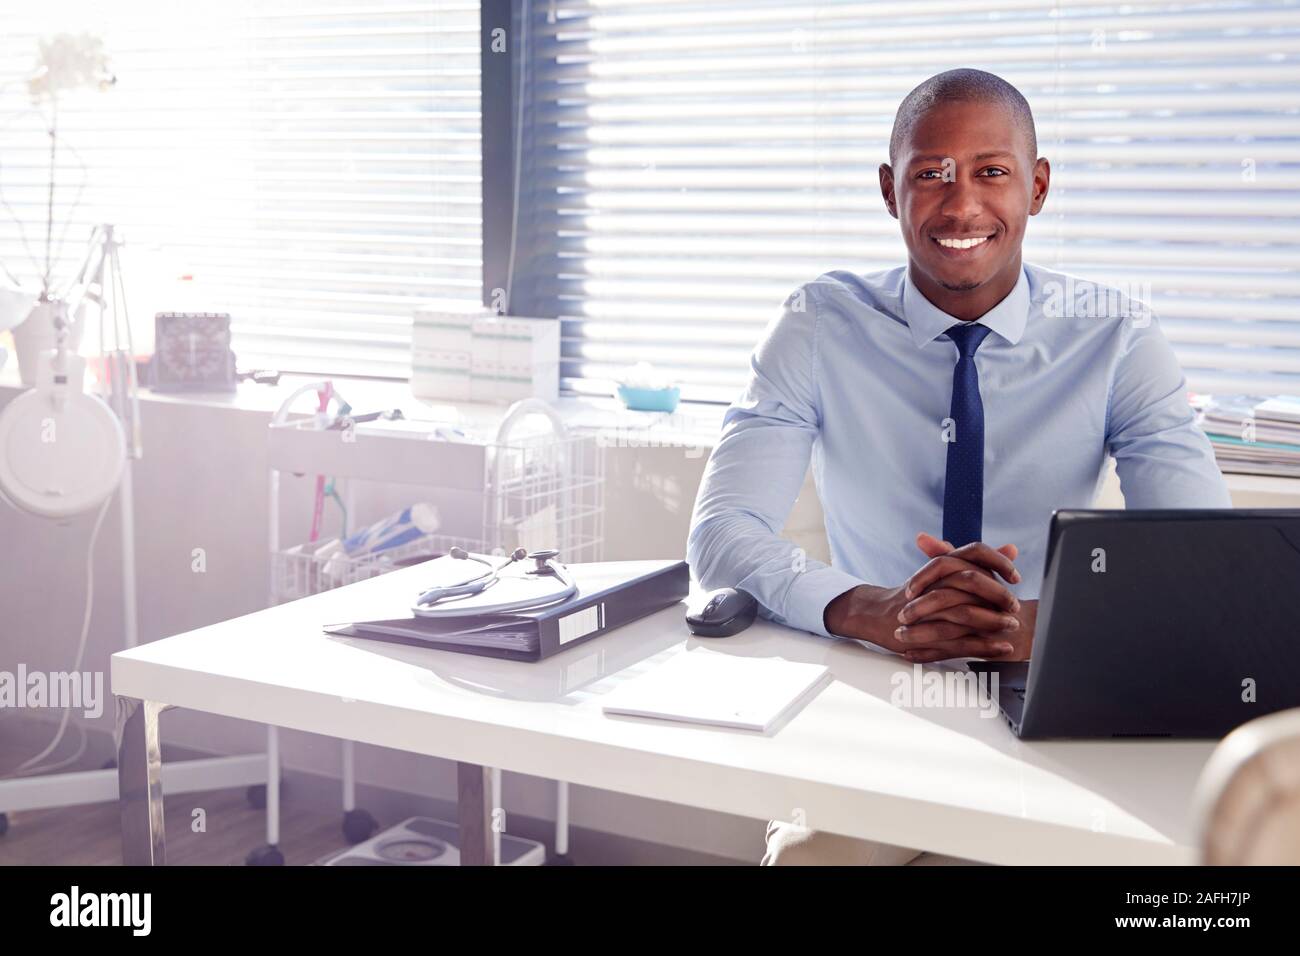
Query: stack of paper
x=706, y=687
x=1252, y=434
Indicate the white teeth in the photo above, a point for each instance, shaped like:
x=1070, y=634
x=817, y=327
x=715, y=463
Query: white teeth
x=961, y=243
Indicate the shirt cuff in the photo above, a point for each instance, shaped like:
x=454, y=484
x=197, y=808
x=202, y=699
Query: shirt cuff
x=805, y=605
x=809, y=595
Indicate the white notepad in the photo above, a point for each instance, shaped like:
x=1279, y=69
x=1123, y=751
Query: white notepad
x=705, y=687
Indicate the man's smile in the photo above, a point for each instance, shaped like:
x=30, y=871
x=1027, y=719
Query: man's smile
x=964, y=247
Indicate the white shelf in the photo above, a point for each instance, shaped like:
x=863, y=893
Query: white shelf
x=299, y=447
x=1264, y=485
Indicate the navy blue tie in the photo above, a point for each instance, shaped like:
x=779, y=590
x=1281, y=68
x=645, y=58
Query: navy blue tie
x=963, y=486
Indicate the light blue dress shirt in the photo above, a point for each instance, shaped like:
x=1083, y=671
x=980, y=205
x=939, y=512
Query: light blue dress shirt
x=857, y=373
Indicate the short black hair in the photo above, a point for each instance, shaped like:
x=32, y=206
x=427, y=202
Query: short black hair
x=956, y=85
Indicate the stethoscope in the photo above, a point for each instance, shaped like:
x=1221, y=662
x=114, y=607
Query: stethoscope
x=438, y=602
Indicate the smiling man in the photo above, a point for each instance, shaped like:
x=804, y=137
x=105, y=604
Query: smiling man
x=950, y=403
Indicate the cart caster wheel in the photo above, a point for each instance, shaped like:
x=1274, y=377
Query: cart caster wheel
x=560, y=859
x=4, y=823
x=265, y=856
x=358, y=825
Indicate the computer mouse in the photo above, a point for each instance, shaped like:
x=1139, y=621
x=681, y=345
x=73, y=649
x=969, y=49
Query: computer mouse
x=725, y=612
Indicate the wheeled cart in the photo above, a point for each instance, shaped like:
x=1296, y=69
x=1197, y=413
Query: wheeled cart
x=511, y=486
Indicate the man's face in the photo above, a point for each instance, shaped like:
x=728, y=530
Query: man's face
x=963, y=186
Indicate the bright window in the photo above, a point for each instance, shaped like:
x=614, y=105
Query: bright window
x=691, y=163
x=313, y=165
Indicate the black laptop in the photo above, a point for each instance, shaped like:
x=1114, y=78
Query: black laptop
x=1160, y=624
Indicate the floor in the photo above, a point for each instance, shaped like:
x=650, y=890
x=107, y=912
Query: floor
x=88, y=835
x=223, y=834
x=229, y=828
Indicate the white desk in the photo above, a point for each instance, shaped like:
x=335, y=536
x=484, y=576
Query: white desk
x=944, y=780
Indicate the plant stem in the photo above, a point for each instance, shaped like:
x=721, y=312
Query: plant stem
x=49, y=212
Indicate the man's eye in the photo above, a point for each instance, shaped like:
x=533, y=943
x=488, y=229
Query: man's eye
x=925, y=174
x=993, y=169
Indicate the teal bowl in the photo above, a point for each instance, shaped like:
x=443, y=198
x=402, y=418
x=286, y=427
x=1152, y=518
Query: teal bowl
x=650, y=399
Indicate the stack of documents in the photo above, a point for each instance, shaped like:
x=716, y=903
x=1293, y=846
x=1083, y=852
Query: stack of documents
x=1252, y=434
x=705, y=687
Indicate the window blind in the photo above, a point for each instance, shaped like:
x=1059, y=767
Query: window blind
x=691, y=163
x=312, y=165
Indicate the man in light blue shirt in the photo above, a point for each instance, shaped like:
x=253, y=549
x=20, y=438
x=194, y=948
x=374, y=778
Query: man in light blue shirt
x=879, y=380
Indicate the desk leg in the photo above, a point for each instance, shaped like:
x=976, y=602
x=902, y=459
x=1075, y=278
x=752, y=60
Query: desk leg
x=139, y=782
x=474, y=791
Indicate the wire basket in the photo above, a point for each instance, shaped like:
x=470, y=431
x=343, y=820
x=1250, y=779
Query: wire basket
x=536, y=491
x=546, y=492
x=299, y=572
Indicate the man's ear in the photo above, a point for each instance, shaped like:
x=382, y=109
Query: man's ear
x=887, y=189
x=1042, y=180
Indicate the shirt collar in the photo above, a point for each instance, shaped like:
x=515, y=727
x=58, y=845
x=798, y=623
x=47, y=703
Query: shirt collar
x=927, y=321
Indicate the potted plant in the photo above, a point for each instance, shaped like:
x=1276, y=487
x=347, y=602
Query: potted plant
x=66, y=62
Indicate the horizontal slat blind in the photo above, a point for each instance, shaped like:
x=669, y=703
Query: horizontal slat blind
x=313, y=164
x=690, y=163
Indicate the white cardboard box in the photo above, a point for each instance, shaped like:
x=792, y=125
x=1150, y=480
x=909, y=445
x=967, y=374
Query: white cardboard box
x=446, y=325
x=508, y=383
x=440, y=374
x=462, y=351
